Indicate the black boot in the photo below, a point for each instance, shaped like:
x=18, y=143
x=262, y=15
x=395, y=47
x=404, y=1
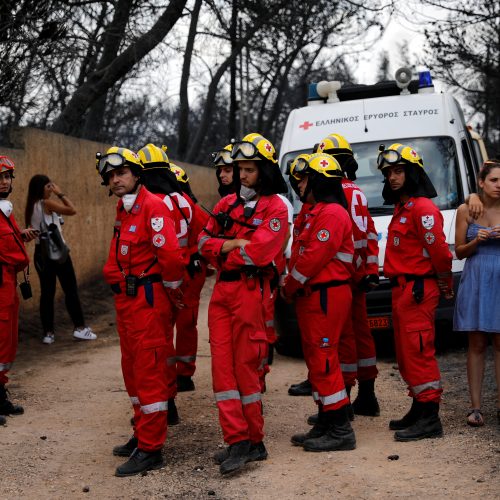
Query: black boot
x=257, y=452
x=184, y=383
x=409, y=419
x=3, y=420
x=140, y=461
x=318, y=429
x=313, y=419
x=239, y=455
x=6, y=407
x=125, y=450
x=302, y=389
x=172, y=413
x=339, y=436
x=427, y=426
x=366, y=402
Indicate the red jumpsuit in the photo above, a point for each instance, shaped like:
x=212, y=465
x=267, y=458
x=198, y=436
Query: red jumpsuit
x=144, y=245
x=13, y=258
x=416, y=246
x=320, y=271
x=236, y=316
x=357, y=354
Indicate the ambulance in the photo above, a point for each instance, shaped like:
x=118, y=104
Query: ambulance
x=403, y=111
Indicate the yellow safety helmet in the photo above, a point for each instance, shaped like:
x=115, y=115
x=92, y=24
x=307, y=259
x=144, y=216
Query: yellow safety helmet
x=321, y=163
x=117, y=157
x=293, y=163
x=152, y=156
x=254, y=147
x=397, y=153
x=334, y=144
x=222, y=157
x=180, y=174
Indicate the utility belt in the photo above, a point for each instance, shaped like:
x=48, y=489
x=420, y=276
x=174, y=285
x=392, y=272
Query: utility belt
x=418, y=284
x=308, y=289
x=132, y=282
x=246, y=272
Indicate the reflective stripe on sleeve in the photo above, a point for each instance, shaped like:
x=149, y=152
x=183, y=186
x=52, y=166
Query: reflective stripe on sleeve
x=251, y=398
x=367, y=362
x=435, y=384
x=202, y=241
x=349, y=367
x=248, y=261
x=5, y=366
x=134, y=400
x=183, y=242
x=171, y=360
x=298, y=276
x=360, y=244
x=226, y=395
x=359, y=261
x=172, y=284
x=154, y=407
x=344, y=257
x=270, y=323
x=186, y=359
x=333, y=398
x=372, y=236
x=372, y=259
x=425, y=253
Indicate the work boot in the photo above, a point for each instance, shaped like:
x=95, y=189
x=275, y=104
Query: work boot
x=302, y=389
x=172, y=413
x=140, y=461
x=7, y=407
x=409, y=419
x=239, y=455
x=366, y=402
x=184, y=383
x=427, y=426
x=3, y=420
x=318, y=429
x=257, y=452
x=339, y=435
x=125, y=450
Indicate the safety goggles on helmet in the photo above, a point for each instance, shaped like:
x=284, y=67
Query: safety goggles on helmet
x=397, y=153
x=106, y=163
x=6, y=164
x=222, y=157
x=248, y=150
x=389, y=156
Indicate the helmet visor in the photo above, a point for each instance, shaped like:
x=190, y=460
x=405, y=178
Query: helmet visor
x=246, y=150
x=299, y=168
x=222, y=157
x=389, y=156
x=109, y=162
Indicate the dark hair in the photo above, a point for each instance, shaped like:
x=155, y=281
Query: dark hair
x=487, y=167
x=35, y=193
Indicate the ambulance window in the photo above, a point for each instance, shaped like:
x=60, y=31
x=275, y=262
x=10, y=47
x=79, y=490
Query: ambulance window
x=469, y=167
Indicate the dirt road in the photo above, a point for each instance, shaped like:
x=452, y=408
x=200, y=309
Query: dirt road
x=77, y=410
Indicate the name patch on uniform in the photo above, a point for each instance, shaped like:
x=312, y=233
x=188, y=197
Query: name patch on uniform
x=124, y=249
x=132, y=229
x=429, y=238
x=428, y=221
x=257, y=222
x=157, y=223
x=275, y=225
x=396, y=241
x=402, y=220
x=323, y=235
x=158, y=240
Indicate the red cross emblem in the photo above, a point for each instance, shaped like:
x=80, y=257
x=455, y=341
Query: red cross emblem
x=324, y=163
x=306, y=125
x=323, y=235
x=322, y=146
x=275, y=224
x=413, y=153
x=268, y=147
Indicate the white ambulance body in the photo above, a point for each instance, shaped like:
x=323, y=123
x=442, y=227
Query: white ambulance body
x=432, y=123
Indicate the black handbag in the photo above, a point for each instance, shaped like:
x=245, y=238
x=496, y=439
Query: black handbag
x=51, y=242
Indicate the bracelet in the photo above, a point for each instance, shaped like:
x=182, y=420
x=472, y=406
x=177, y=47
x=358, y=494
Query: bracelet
x=61, y=195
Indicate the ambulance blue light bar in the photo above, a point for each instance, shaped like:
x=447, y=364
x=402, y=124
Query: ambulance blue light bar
x=313, y=93
x=425, y=80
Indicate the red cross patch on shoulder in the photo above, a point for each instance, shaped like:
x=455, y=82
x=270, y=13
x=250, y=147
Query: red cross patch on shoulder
x=323, y=235
x=275, y=225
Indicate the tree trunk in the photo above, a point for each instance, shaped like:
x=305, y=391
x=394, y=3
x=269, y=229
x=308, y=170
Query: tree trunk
x=232, y=95
x=101, y=80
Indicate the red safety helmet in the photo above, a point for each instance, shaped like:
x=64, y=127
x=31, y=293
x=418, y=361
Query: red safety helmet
x=7, y=165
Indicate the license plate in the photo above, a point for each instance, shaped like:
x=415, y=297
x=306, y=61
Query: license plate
x=379, y=322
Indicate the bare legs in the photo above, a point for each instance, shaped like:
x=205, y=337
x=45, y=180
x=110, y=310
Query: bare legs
x=476, y=353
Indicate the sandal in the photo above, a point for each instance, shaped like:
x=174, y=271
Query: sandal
x=475, y=418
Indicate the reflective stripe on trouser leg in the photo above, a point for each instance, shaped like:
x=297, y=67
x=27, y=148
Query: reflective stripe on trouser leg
x=365, y=345
x=347, y=354
x=323, y=363
x=237, y=344
x=415, y=341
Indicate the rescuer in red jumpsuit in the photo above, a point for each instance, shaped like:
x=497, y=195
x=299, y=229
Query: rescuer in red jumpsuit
x=13, y=259
x=319, y=279
x=242, y=240
x=145, y=270
x=358, y=358
x=418, y=263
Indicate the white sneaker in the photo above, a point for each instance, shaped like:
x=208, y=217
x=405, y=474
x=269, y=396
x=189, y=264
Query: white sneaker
x=48, y=338
x=85, y=333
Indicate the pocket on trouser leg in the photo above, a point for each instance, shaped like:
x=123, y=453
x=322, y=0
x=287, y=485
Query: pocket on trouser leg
x=258, y=348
